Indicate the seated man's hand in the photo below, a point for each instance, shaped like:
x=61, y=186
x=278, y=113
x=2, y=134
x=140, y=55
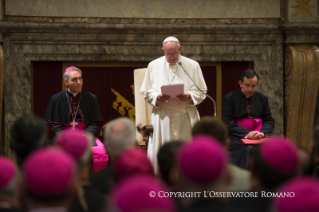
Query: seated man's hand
x=162, y=97
x=183, y=97
x=255, y=135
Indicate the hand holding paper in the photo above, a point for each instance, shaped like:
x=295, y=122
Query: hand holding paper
x=183, y=97
x=172, y=90
x=162, y=97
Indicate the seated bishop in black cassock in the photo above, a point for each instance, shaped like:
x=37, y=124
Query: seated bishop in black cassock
x=79, y=110
x=246, y=113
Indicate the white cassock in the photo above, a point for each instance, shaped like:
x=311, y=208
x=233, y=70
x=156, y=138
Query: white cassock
x=174, y=119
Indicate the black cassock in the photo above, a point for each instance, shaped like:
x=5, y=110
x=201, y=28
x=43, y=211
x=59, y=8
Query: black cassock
x=58, y=113
x=237, y=106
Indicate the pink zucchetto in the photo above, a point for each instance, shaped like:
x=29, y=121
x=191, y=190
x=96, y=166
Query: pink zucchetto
x=280, y=153
x=131, y=162
x=49, y=171
x=203, y=160
x=74, y=142
x=141, y=193
x=7, y=173
x=302, y=195
x=69, y=68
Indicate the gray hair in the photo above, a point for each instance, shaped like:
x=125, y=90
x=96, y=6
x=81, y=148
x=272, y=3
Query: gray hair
x=66, y=74
x=119, y=135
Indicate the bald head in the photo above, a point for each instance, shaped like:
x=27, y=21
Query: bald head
x=117, y=128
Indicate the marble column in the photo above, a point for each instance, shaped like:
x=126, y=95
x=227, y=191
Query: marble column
x=301, y=91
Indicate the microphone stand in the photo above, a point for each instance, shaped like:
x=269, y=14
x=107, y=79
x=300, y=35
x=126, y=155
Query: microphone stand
x=180, y=63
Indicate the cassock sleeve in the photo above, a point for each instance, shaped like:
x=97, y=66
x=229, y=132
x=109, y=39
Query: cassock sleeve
x=57, y=110
x=150, y=95
x=234, y=129
x=53, y=118
x=197, y=96
x=268, y=121
x=90, y=109
x=93, y=128
x=92, y=114
x=51, y=111
x=55, y=128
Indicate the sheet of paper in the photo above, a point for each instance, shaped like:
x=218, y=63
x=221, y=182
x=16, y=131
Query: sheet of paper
x=250, y=141
x=173, y=90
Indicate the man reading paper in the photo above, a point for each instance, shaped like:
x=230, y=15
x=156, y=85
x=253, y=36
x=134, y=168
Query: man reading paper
x=172, y=116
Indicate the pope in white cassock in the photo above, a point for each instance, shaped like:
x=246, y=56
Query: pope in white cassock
x=172, y=116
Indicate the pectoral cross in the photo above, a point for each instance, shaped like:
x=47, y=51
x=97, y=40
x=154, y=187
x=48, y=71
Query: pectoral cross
x=73, y=124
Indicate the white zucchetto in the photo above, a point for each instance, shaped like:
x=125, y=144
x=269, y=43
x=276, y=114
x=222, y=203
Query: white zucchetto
x=169, y=39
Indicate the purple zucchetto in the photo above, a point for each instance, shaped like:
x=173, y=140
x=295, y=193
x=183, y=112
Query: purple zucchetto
x=74, y=142
x=280, y=153
x=49, y=171
x=131, y=162
x=69, y=68
x=141, y=193
x=302, y=194
x=203, y=160
x=7, y=173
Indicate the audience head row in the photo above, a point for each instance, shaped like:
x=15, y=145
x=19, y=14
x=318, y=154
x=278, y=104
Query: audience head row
x=52, y=173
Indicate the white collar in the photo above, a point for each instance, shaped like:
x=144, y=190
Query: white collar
x=74, y=94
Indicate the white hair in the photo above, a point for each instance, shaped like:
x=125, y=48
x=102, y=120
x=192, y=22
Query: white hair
x=66, y=74
x=119, y=135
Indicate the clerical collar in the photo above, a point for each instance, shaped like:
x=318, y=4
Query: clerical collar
x=248, y=97
x=74, y=94
x=245, y=95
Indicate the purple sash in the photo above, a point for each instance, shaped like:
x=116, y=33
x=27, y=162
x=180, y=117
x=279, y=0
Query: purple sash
x=250, y=124
x=100, y=157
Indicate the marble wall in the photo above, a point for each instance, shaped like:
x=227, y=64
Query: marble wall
x=1, y=10
x=302, y=11
x=145, y=8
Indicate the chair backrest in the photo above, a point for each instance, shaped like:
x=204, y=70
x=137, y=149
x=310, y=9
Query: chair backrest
x=143, y=110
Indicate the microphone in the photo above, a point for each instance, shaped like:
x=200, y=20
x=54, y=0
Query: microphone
x=180, y=63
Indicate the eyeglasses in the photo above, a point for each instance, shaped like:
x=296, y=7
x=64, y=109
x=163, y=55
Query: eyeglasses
x=250, y=86
x=174, y=54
